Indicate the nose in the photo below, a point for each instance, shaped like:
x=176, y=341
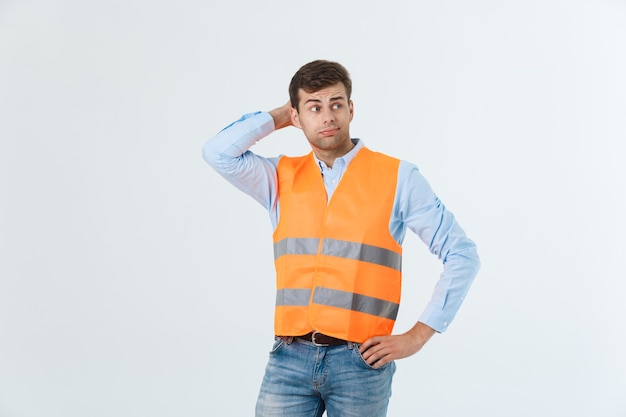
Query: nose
x=327, y=115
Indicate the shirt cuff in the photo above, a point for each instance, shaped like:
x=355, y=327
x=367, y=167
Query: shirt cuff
x=435, y=318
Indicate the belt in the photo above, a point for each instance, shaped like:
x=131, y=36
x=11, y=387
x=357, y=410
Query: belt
x=320, y=339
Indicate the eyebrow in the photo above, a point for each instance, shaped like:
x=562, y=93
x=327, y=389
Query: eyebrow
x=316, y=100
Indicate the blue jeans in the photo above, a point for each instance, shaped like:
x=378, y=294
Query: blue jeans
x=304, y=380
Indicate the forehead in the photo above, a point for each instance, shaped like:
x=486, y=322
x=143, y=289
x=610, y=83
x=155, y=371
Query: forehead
x=333, y=92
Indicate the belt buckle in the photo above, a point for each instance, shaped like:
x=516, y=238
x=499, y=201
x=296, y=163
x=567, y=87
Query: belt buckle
x=314, y=342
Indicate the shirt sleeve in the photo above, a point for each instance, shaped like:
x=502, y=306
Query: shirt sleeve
x=422, y=212
x=228, y=153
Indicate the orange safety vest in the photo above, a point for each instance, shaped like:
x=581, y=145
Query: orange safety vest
x=338, y=268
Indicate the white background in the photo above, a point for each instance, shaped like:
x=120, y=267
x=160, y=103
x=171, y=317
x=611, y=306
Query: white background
x=134, y=281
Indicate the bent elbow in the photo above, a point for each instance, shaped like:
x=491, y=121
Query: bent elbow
x=210, y=154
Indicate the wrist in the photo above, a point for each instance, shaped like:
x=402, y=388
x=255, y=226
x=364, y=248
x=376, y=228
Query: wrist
x=281, y=116
x=421, y=333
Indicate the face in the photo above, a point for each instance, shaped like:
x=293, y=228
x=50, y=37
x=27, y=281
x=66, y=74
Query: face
x=324, y=116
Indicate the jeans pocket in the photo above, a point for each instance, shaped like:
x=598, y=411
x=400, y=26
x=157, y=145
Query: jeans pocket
x=360, y=360
x=278, y=343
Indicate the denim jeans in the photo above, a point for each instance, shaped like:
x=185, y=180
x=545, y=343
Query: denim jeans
x=304, y=380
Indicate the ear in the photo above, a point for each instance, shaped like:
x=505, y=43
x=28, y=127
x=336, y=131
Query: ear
x=295, y=120
x=351, y=110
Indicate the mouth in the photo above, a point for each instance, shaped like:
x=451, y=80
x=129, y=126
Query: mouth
x=329, y=131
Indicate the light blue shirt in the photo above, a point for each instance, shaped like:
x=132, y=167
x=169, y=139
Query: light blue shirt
x=416, y=207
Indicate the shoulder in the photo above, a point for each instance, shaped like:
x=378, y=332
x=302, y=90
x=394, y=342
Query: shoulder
x=379, y=158
x=286, y=162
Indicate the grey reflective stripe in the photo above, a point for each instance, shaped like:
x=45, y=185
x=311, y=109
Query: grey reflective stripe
x=362, y=252
x=293, y=297
x=339, y=248
x=356, y=302
x=296, y=246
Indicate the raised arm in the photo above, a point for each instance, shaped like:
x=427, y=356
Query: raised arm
x=228, y=153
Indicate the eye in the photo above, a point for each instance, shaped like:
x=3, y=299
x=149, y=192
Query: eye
x=315, y=109
x=336, y=106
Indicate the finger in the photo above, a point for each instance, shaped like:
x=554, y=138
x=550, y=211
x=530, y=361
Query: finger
x=378, y=360
x=374, y=354
x=367, y=344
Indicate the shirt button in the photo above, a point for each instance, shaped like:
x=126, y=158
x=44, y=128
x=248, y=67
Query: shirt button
x=445, y=323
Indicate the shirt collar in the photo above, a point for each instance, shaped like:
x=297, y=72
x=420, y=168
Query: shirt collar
x=346, y=159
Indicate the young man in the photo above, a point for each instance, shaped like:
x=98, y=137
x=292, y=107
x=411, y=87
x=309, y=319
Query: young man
x=339, y=215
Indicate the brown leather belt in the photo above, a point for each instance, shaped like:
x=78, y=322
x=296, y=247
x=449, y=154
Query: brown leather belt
x=320, y=339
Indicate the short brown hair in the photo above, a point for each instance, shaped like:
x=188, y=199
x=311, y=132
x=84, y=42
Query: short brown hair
x=317, y=75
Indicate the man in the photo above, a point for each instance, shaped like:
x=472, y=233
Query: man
x=339, y=215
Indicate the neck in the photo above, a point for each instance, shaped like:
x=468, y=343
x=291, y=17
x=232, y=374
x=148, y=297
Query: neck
x=328, y=156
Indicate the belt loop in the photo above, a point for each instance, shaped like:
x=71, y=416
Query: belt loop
x=287, y=339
